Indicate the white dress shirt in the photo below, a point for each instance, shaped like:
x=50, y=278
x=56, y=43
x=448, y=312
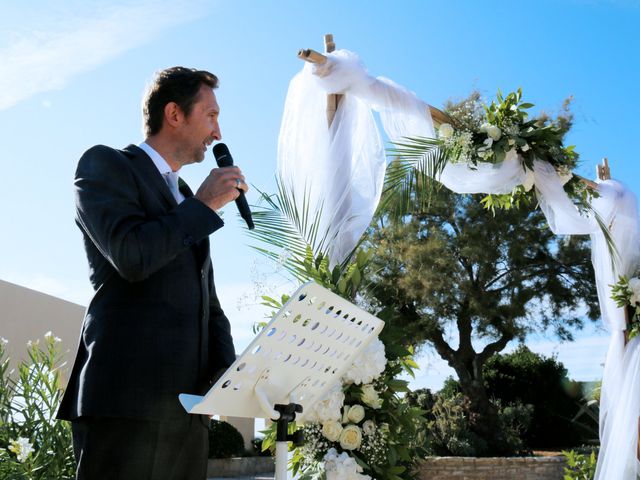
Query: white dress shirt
x=163, y=167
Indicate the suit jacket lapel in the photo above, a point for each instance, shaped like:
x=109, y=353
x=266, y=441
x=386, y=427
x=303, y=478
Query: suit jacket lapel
x=151, y=172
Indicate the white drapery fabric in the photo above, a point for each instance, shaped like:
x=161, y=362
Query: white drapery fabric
x=341, y=169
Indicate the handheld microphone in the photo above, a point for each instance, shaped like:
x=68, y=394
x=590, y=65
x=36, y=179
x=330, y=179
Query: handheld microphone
x=224, y=159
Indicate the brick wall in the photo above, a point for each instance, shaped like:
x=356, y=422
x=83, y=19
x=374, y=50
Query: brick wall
x=469, y=468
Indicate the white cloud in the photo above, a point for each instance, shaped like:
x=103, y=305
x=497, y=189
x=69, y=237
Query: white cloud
x=62, y=44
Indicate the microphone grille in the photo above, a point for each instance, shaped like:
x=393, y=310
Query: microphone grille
x=222, y=154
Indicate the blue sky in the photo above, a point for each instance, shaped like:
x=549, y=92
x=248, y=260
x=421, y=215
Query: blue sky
x=73, y=73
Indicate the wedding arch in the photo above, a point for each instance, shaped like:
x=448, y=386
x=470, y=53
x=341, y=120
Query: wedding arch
x=331, y=157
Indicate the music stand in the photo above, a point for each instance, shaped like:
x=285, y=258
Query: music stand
x=307, y=347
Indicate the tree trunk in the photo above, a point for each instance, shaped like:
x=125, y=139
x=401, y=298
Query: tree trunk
x=483, y=416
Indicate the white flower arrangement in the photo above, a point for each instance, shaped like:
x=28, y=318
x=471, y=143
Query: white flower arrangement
x=332, y=425
x=492, y=133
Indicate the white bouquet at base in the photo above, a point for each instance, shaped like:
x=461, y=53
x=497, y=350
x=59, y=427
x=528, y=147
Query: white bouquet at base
x=342, y=467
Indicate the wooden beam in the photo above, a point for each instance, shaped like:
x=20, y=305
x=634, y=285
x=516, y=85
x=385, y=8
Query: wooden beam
x=603, y=171
x=333, y=99
x=312, y=56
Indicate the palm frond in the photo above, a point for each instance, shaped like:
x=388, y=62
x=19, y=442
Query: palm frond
x=288, y=229
x=411, y=178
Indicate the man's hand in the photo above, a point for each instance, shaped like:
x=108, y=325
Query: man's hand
x=221, y=187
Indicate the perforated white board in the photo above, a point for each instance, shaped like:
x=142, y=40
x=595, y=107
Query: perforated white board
x=299, y=355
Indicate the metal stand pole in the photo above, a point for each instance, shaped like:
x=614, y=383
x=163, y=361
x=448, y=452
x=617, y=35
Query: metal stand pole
x=287, y=415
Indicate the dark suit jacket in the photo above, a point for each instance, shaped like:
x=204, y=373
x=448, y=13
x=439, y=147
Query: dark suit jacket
x=154, y=327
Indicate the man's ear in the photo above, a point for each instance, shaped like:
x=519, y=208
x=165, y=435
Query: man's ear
x=173, y=114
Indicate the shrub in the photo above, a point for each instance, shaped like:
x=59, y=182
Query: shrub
x=529, y=378
x=448, y=431
x=33, y=444
x=224, y=440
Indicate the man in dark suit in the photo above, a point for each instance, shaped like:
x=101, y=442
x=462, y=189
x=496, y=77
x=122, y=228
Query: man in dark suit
x=154, y=328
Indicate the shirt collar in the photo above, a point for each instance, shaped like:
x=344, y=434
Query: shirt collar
x=160, y=163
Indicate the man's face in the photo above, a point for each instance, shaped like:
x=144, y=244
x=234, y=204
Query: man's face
x=201, y=126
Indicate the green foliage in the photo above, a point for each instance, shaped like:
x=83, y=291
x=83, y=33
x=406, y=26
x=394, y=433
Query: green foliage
x=225, y=440
x=449, y=431
x=258, y=448
x=29, y=400
x=529, y=378
x=579, y=465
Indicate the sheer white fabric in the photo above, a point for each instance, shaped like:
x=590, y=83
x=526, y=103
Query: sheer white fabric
x=341, y=169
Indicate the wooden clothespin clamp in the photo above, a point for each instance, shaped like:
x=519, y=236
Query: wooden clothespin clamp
x=604, y=172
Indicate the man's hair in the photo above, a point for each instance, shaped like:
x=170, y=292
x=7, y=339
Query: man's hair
x=177, y=84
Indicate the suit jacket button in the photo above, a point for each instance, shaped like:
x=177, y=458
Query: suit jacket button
x=187, y=241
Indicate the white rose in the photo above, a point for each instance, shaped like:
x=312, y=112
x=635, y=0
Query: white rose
x=565, y=174
x=511, y=142
x=369, y=427
x=356, y=413
x=494, y=132
x=634, y=286
x=529, y=180
x=351, y=437
x=370, y=397
x=525, y=148
x=332, y=430
x=484, y=127
x=445, y=130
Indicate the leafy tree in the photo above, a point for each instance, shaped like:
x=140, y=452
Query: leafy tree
x=454, y=274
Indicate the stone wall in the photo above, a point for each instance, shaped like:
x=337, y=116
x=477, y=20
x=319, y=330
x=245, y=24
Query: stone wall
x=468, y=468
x=239, y=466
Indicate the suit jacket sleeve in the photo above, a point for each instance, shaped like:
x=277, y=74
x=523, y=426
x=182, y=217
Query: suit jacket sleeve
x=136, y=242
